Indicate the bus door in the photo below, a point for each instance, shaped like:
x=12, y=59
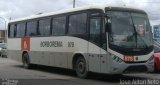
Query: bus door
x=94, y=51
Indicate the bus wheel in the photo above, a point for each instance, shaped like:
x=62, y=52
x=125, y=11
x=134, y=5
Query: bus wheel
x=81, y=68
x=25, y=60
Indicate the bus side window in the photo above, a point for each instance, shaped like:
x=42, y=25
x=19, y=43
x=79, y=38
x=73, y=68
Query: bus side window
x=20, y=30
x=59, y=25
x=11, y=30
x=95, y=24
x=44, y=27
x=77, y=23
x=32, y=28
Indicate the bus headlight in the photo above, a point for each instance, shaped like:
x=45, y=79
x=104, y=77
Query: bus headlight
x=117, y=59
x=151, y=58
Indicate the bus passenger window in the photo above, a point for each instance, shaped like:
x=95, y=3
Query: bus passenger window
x=59, y=25
x=77, y=24
x=12, y=30
x=44, y=27
x=32, y=28
x=20, y=30
x=95, y=30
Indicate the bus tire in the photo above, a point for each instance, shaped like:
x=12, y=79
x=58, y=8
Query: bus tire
x=81, y=67
x=26, y=61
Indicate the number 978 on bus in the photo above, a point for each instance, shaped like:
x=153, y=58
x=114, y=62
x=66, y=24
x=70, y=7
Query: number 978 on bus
x=128, y=58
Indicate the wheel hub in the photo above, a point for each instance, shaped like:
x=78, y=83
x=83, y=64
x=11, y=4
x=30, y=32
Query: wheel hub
x=81, y=67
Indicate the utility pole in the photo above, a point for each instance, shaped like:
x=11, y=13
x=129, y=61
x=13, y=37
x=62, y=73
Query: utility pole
x=74, y=2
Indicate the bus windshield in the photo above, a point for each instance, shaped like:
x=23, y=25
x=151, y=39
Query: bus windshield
x=129, y=30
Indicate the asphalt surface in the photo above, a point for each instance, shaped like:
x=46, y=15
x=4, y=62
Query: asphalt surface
x=13, y=73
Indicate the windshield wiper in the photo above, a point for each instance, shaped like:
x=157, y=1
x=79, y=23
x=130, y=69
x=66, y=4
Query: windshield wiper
x=136, y=34
x=135, y=31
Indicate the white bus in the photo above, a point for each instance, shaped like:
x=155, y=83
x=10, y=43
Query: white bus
x=101, y=39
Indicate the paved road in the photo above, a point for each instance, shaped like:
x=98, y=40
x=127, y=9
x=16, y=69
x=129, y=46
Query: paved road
x=13, y=73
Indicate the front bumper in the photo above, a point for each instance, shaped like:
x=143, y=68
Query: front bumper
x=120, y=68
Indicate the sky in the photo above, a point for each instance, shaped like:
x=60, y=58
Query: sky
x=13, y=9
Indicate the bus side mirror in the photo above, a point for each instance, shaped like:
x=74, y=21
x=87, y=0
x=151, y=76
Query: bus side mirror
x=108, y=27
x=108, y=24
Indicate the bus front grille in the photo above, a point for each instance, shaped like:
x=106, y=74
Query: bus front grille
x=136, y=68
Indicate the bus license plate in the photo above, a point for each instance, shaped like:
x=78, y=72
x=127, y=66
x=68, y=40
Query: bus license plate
x=128, y=58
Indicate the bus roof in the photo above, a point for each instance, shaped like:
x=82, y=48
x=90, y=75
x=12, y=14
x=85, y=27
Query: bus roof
x=70, y=10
